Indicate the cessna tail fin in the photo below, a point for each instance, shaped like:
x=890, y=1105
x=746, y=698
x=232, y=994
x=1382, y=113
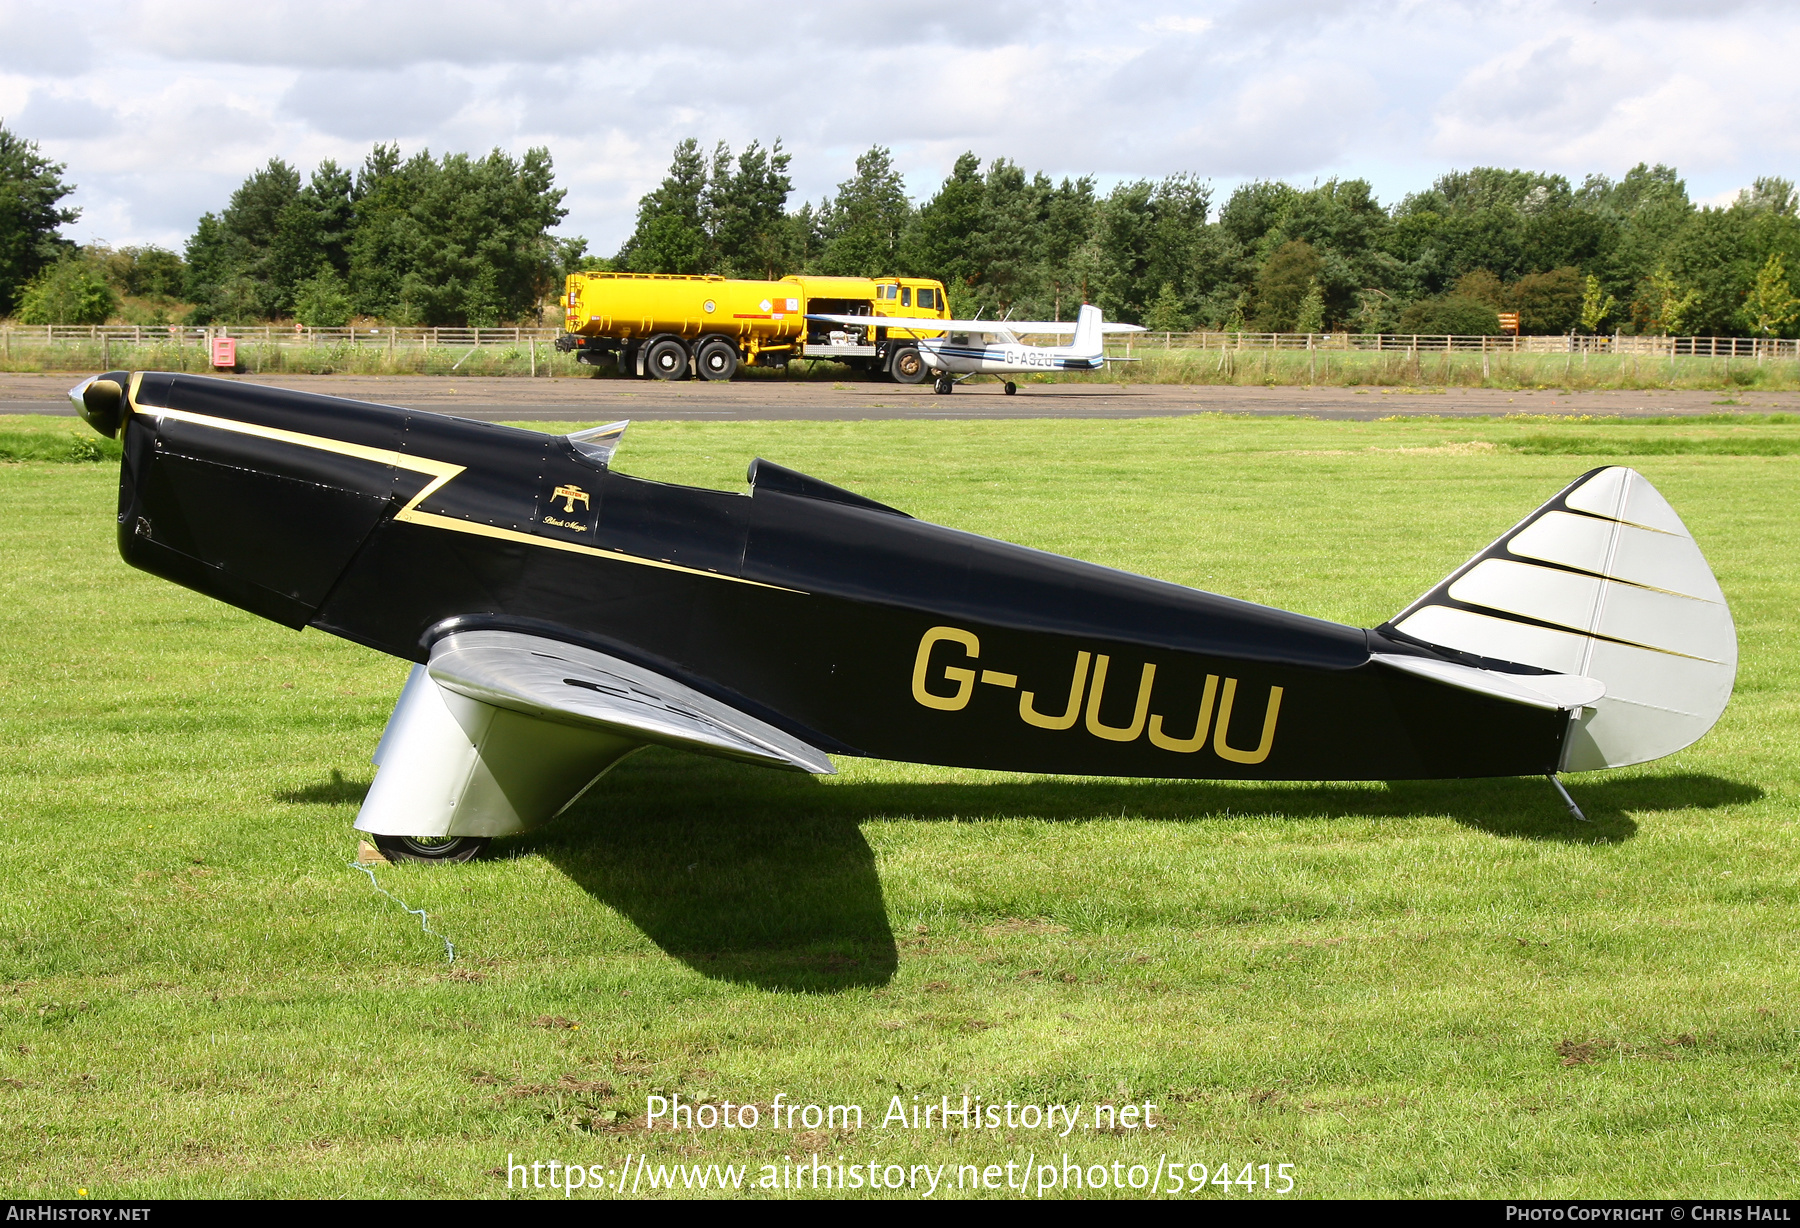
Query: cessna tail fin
x=1603, y=581
x=1087, y=333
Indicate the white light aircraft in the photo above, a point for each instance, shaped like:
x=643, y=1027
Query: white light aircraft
x=963, y=348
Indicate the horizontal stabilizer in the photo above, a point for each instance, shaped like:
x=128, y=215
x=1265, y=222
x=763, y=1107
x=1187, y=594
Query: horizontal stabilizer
x=1560, y=692
x=1604, y=584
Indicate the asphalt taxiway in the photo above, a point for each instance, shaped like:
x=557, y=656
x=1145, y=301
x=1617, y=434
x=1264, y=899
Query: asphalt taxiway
x=765, y=399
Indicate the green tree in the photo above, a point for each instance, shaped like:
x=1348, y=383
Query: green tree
x=1071, y=256
x=1485, y=187
x=1340, y=220
x=1770, y=194
x=805, y=241
x=1771, y=306
x=1549, y=302
x=483, y=252
x=385, y=234
x=1377, y=312
x=746, y=212
x=1710, y=254
x=1007, y=248
x=74, y=290
x=231, y=273
x=30, y=187
x=1148, y=234
x=1166, y=314
x=1450, y=314
x=863, y=223
x=671, y=226
x=312, y=233
x=940, y=241
x=1311, y=316
x=141, y=272
x=1283, y=284
x=1672, y=305
x=322, y=301
x=1596, y=305
x=1483, y=287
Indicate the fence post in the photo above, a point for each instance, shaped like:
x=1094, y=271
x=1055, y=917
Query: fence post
x=532, y=342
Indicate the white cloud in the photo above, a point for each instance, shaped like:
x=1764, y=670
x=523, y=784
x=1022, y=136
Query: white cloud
x=185, y=97
x=70, y=116
x=362, y=105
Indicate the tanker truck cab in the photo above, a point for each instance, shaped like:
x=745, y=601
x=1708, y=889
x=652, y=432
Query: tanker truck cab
x=874, y=349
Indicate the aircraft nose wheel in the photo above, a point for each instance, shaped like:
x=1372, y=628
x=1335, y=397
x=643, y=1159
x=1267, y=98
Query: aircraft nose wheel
x=1011, y=388
x=430, y=848
x=944, y=385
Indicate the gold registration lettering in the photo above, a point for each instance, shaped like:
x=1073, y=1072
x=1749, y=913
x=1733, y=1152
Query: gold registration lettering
x=1031, y=716
x=1187, y=746
x=964, y=678
x=1261, y=752
x=1115, y=733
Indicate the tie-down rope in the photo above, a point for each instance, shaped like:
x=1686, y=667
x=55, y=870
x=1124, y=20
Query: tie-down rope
x=424, y=921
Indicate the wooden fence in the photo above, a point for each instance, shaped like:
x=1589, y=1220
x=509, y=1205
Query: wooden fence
x=275, y=334
x=1127, y=344
x=1421, y=343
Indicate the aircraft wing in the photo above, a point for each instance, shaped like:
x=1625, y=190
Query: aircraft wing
x=557, y=682
x=1017, y=327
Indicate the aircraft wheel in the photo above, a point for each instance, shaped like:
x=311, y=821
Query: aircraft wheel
x=430, y=848
x=718, y=360
x=944, y=385
x=1011, y=388
x=908, y=366
x=667, y=359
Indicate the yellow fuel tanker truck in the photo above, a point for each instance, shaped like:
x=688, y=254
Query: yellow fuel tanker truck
x=671, y=326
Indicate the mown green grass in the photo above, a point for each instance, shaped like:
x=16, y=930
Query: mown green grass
x=1408, y=989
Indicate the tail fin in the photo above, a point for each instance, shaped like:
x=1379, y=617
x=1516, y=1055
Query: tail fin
x=1603, y=581
x=1087, y=342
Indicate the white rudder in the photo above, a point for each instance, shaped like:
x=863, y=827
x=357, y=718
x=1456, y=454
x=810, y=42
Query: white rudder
x=1603, y=582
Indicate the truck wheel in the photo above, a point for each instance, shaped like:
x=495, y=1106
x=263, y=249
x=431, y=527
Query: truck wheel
x=430, y=848
x=908, y=366
x=667, y=359
x=718, y=360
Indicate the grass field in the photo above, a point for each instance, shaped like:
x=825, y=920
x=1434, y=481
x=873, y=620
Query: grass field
x=1406, y=989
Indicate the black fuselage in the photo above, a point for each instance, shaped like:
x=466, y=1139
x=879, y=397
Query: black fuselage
x=849, y=624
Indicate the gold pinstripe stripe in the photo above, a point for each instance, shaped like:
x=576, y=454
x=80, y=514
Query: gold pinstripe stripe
x=441, y=473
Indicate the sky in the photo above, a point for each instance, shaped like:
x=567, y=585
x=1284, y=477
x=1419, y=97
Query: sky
x=161, y=108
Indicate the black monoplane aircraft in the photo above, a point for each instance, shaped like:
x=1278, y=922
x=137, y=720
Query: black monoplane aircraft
x=561, y=616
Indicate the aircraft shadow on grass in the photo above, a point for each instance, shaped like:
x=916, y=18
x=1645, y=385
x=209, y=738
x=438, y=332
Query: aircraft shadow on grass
x=765, y=879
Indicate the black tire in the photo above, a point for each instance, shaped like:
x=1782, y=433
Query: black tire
x=943, y=386
x=667, y=359
x=908, y=366
x=1011, y=388
x=430, y=848
x=718, y=360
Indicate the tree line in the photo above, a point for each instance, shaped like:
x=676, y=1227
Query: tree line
x=1635, y=255
x=464, y=240
x=420, y=240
